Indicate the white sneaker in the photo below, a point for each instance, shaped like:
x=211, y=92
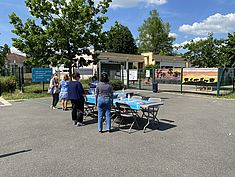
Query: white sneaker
x=80, y=124
x=53, y=107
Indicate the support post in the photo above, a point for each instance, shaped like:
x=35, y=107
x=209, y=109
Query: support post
x=127, y=73
x=181, y=80
x=233, y=79
x=140, y=70
x=153, y=75
x=99, y=69
x=219, y=81
x=22, y=79
x=19, y=77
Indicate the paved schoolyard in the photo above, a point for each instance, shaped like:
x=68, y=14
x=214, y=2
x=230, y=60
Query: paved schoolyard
x=195, y=139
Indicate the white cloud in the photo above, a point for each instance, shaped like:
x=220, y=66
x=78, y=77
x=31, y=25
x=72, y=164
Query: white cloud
x=173, y=35
x=216, y=23
x=16, y=51
x=133, y=3
x=187, y=42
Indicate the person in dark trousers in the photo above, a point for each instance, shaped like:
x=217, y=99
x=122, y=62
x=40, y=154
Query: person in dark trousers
x=76, y=94
x=104, y=101
x=54, y=90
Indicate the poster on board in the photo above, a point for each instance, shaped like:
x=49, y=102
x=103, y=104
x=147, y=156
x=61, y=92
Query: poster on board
x=147, y=73
x=133, y=74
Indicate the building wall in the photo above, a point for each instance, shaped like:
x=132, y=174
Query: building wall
x=164, y=61
x=148, y=58
x=167, y=64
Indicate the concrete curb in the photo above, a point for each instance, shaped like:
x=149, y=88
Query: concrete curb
x=183, y=94
x=4, y=102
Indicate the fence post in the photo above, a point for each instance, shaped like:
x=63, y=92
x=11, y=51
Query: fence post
x=127, y=78
x=233, y=78
x=153, y=75
x=219, y=81
x=140, y=78
x=233, y=83
x=181, y=80
x=19, y=78
x=22, y=79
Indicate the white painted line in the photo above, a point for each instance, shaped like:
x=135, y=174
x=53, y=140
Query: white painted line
x=4, y=102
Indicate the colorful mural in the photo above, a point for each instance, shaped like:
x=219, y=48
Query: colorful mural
x=195, y=75
x=172, y=73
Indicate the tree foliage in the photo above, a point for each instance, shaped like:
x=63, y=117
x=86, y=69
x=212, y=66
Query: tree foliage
x=120, y=40
x=230, y=50
x=62, y=30
x=154, y=35
x=156, y=66
x=4, y=50
x=206, y=53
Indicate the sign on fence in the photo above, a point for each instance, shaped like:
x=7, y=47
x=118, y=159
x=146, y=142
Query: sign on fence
x=147, y=74
x=133, y=74
x=41, y=74
x=202, y=75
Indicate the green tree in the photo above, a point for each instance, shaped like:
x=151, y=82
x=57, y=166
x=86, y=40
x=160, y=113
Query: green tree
x=4, y=50
x=156, y=66
x=154, y=36
x=205, y=53
x=63, y=29
x=120, y=40
x=229, y=50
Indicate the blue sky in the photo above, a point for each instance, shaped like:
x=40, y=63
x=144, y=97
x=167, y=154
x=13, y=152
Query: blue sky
x=189, y=19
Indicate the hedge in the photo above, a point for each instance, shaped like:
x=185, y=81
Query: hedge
x=7, y=84
x=117, y=84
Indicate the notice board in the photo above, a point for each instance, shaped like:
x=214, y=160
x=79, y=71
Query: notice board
x=41, y=74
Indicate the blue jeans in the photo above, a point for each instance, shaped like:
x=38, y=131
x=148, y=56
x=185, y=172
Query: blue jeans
x=104, y=108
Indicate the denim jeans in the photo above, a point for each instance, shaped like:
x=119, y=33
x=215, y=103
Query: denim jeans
x=104, y=108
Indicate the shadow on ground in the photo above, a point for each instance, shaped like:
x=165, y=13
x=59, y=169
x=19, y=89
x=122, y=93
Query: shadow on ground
x=14, y=153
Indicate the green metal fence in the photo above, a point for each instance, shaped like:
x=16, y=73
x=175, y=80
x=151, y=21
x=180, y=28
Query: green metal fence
x=171, y=80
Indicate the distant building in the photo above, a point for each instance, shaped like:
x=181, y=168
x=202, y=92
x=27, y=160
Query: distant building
x=115, y=64
x=165, y=61
x=15, y=60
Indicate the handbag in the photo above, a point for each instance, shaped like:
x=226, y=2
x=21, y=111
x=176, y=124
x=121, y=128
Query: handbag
x=49, y=90
x=56, y=90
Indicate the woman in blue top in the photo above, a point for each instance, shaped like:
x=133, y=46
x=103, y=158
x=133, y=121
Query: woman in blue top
x=76, y=94
x=93, y=85
x=64, y=91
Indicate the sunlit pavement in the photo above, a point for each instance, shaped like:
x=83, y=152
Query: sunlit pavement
x=195, y=138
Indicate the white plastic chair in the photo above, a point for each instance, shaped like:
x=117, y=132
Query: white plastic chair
x=155, y=99
x=136, y=97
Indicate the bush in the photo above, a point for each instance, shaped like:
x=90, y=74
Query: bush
x=85, y=83
x=8, y=84
x=117, y=84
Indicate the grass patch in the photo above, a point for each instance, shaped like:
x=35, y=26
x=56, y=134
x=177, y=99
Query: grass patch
x=229, y=96
x=30, y=91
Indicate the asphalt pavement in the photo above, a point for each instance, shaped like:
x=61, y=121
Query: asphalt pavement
x=194, y=139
